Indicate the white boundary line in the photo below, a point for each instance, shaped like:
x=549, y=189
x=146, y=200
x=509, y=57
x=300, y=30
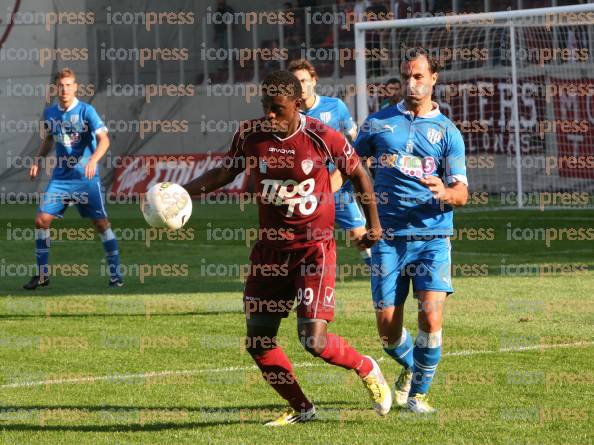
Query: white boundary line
x=254, y=367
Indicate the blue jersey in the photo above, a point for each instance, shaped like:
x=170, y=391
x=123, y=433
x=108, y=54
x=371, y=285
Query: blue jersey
x=74, y=133
x=333, y=112
x=405, y=149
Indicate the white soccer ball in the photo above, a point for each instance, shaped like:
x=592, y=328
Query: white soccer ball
x=167, y=205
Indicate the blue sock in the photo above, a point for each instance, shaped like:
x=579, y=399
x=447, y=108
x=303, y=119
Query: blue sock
x=42, y=245
x=403, y=351
x=110, y=245
x=426, y=353
x=366, y=255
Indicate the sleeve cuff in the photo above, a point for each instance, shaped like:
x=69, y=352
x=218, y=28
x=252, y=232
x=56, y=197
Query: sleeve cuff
x=457, y=178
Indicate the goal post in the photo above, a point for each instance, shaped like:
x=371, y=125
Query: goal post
x=518, y=84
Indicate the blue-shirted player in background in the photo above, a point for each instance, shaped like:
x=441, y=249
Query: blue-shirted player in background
x=414, y=149
x=81, y=141
x=333, y=112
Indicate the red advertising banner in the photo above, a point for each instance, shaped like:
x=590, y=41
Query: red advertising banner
x=574, y=103
x=136, y=174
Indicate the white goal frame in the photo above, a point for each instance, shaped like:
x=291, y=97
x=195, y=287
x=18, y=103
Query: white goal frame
x=502, y=19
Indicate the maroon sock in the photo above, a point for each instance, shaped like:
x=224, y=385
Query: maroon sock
x=278, y=372
x=338, y=352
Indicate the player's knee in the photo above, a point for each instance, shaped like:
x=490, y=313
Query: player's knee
x=314, y=344
x=101, y=225
x=431, y=323
x=41, y=222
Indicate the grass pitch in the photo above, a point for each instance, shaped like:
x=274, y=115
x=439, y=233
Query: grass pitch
x=161, y=360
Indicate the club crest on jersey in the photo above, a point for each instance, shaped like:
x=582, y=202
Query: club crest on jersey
x=306, y=166
x=434, y=135
x=325, y=116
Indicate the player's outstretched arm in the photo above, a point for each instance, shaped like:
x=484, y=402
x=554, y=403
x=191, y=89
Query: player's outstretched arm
x=364, y=187
x=455, y=194
x=210, y=181
x=46, y=145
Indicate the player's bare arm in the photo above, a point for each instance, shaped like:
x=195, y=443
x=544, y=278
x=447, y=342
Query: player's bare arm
x=362, y=183
x=336, y=180
x=211, y=181
x=46, y=145
x=455, y=194
x=102, y=147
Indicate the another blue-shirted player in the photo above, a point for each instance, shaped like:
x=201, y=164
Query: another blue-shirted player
x=333, y=112
x=81, y=141
x=414, y=148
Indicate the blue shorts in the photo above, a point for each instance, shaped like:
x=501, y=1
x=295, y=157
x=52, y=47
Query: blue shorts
x=348, y=214
x=85, y=194
x=395, y=262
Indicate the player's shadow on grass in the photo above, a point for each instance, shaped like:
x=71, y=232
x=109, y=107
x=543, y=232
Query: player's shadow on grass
x=72, y=286
x=219, y=416
x=15, y=317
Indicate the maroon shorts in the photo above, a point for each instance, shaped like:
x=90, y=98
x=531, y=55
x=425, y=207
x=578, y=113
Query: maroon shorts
x=303, y=278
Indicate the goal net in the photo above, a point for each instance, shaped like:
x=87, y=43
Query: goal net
x=518, y=84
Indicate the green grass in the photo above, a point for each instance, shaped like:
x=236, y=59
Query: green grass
x=487, y=391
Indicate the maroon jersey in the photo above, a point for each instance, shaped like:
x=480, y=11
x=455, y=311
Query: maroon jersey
x=291, y=178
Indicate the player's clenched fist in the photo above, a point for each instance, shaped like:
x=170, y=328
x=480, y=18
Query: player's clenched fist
x=369, y=238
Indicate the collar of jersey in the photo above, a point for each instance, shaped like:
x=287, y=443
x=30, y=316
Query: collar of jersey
x=433, y=113
x=301, y=125
x=315, y=104
x=71, y=107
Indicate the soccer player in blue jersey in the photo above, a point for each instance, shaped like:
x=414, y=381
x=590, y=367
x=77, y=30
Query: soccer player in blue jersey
x=420, y=175
x=81, y=140
x=333, y=112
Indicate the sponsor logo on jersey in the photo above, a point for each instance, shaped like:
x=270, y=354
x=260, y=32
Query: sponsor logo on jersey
x=68, y=139
x=409, y=165
x=282, y=151
x=293, y=194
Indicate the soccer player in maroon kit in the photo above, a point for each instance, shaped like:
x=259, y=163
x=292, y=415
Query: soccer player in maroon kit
x=295, y=256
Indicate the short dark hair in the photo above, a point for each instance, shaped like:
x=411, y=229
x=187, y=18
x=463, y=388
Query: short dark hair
x=409, y=54
x=393, y=80
x=282, y=83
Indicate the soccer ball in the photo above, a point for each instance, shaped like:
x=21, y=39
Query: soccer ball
x=167, y=205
